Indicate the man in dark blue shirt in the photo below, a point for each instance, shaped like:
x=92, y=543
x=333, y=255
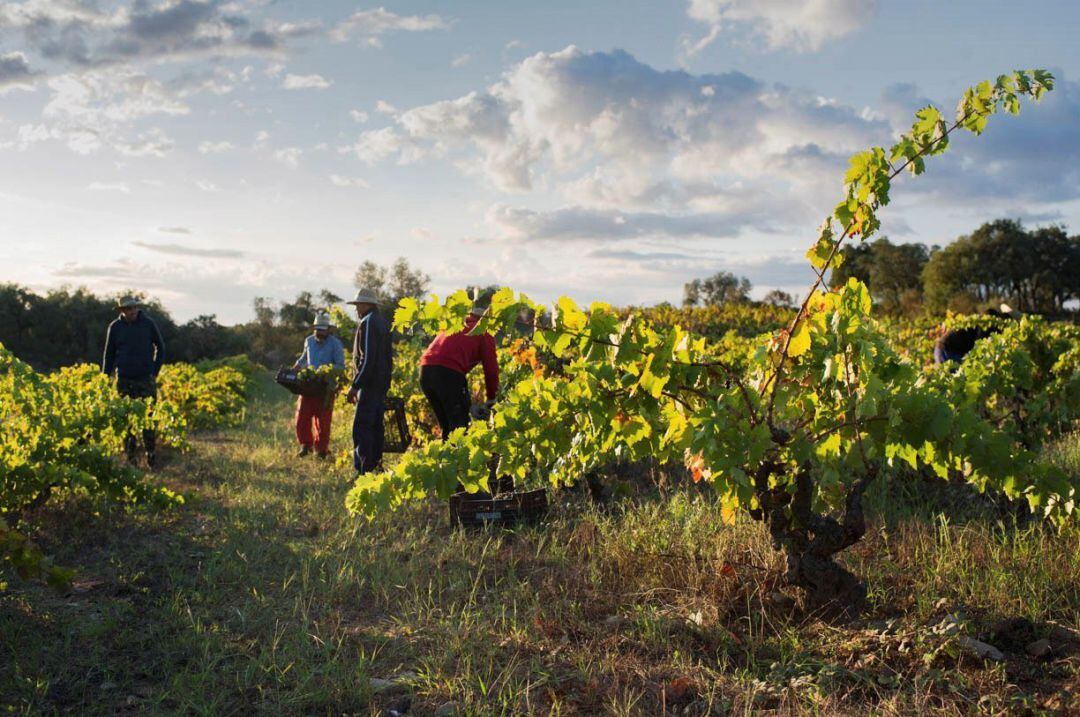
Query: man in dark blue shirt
x=373, y=366
x=134, y=351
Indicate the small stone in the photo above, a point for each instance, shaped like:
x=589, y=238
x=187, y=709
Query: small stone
x=446, y=709
x=979, y=649
x=616, y=621
x=949, y=625
x=1038, y=649
x=379, y=685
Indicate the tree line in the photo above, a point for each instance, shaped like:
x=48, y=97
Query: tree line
x=1034, y=271
x=67, y=326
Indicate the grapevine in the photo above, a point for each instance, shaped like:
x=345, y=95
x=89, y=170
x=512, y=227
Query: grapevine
x=62, y=433
x=791, y=428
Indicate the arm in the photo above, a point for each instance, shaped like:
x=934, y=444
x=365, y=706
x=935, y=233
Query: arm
x=159, y=347
x=364, y=366
x=302, y=362
x=108, y=362
x=490, y=361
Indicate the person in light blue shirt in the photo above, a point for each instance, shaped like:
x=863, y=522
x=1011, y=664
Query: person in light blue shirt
x=314, y=414
x=321, y=347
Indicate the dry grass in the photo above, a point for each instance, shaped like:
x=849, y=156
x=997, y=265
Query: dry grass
x=263, y=596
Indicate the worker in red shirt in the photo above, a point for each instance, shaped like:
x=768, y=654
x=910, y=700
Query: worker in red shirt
x=444, y=369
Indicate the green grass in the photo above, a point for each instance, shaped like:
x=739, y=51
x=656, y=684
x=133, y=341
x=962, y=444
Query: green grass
x=261, y=595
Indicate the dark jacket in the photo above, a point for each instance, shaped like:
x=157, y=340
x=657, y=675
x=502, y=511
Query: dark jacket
x=373, y=354
x=133, y=350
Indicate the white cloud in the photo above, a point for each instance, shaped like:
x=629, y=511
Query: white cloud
x=797, y=25
x=359, y=116
x=461, y=60
x=98, y=109
x=306, y=82
x=214, y=147
x=121, y=187
x=375, y=146
x=606, y=131
x=289, y=156
x=369, y=25
x=339, y=181
x=206, y=185
x=385, y=108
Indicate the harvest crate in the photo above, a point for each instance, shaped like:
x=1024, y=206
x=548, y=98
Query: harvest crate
x=396, y=436
x=474, y=510
x=288, y=378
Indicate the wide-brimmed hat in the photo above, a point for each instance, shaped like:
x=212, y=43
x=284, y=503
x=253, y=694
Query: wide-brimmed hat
x=364, y=296
x=127, y=302
x=322, y=321
x=1006, y=309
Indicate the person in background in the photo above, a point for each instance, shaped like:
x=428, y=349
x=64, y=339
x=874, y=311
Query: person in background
x=134, y=352
x=373, y=366
x=314, y=412
x=955, y=344
x=444, y=369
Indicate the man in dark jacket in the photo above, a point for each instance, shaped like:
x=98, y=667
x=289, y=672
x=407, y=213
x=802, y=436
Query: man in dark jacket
x=955, y=344
x=373, y=365
x=134, y=351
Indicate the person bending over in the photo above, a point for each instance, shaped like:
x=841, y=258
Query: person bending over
x=444, y=370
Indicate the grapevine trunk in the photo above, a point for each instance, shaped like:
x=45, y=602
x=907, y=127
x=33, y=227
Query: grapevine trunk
x=811, y=541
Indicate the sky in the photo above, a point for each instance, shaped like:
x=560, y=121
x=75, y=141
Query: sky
x=209, y=152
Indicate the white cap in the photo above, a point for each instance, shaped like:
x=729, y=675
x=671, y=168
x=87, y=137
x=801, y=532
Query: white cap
x=127, y=302
x=322, y=320
x=364, y=296
x=1005, y=309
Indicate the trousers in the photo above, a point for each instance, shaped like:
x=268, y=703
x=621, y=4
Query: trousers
x=448, y=393
x=313, y=419
x=139, y=387
x=368, y=432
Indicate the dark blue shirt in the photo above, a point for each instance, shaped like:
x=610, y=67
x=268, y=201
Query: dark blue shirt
x=133, y=349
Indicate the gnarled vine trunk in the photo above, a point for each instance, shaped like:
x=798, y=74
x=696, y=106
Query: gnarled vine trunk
x=811, y=541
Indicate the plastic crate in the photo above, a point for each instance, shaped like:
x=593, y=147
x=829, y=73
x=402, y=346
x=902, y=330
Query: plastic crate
x=315, y=387
x=396, y=435
x=474, y=510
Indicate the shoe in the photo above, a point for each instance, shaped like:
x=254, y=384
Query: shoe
x=322, y=455
x=304, y=450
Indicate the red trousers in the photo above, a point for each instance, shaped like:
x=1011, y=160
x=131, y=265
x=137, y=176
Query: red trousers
x=311, y=412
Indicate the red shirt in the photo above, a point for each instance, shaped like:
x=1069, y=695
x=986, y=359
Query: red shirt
x=461, y=352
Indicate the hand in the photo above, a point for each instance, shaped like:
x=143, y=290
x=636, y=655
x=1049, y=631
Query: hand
x=351, y=396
